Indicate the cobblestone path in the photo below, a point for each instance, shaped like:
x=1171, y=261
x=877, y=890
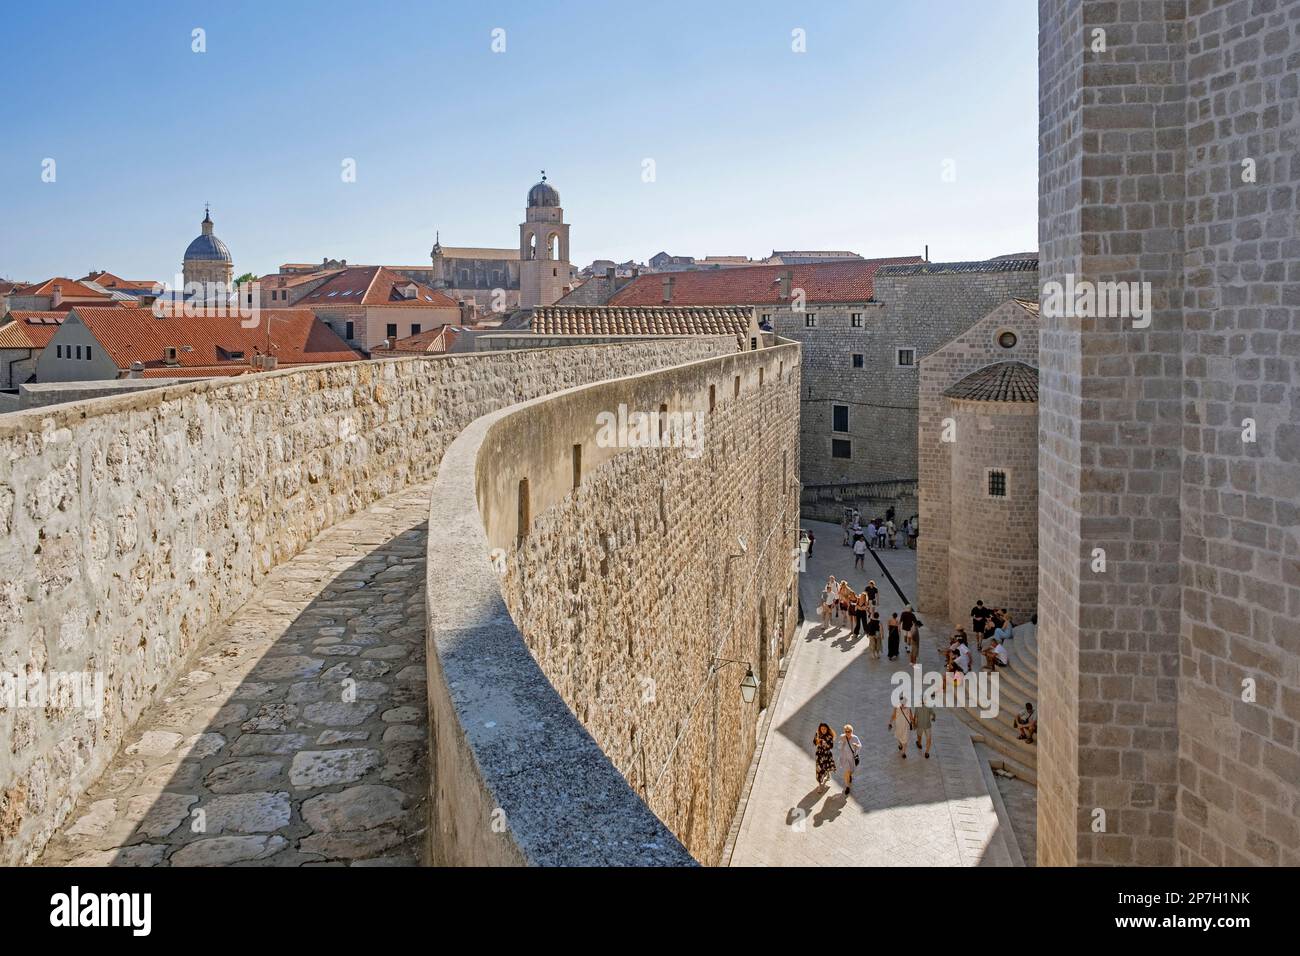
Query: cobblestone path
x=299, y=738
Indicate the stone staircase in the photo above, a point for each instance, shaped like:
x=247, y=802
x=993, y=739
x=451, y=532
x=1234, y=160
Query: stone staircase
x=1018, y=683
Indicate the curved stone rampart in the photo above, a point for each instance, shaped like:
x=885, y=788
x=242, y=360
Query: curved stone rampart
x=130, y=525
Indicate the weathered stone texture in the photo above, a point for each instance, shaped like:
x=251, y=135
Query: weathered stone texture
x=629, y=586
x=131, y=525
x=1146, y=147
x=998, y=545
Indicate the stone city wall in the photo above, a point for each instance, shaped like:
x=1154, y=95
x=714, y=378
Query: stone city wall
x=630, y=575
x=131, y=524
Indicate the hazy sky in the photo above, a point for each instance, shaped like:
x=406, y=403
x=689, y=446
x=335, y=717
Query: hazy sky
x=754, y=146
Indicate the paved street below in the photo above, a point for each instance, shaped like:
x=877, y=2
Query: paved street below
x=912, y=812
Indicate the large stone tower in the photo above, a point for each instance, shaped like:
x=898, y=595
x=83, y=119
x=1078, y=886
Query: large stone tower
x=207, y=260
x=543, y=248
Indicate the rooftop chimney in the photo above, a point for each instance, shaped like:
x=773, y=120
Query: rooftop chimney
x=787, y=281
x=137, y=370
x=668, y=288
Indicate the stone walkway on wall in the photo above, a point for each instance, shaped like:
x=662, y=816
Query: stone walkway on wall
x=299, y=738
x=912, y=812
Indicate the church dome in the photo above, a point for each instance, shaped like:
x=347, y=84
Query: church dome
x=207, y=247
x=543, y=194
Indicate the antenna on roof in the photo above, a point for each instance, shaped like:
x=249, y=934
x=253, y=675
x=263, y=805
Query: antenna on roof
x=927, y=252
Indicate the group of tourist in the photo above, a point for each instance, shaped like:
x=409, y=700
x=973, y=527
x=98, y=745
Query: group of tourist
x=993, y=625
x=843, y=753
x=839, y=602
x=877, y=533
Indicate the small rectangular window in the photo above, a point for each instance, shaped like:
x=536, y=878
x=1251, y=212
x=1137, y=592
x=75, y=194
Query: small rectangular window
x=735, y=389
x=856, y=320
x=415, y=328
x=577, y=465
x=841, y=448
x=87, y=353
x=78, y=351
x=906, y=358
x=839, y=418
x=810, y=320
x=58, y=351
x=858, y=360
x=390, y=331
x=997, y=483
x=350, y=332
x=525, y=510
x=753, y=345
x=760, y=378
x=713, y=397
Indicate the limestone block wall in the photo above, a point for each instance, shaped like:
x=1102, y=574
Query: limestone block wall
x=992, y=550
x=628, y=575
x=128, y=525
x=1170, y=159
x=975, y=348
x=1239, y=761
x=920, y=312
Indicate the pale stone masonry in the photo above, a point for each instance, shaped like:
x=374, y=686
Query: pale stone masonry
x=131, y=526
x=660, y=562
x=1170, y=158
x=917, y=308
x=991, y=544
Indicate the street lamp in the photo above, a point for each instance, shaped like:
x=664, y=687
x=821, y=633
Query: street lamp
x=748, y=684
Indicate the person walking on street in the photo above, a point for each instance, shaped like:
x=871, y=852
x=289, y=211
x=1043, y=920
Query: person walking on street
x=830, y=594
x=850, y=745
x=873, y=634
x=892, y=626
x=823, y=744
x=923, y=722
x=900, y=722
x=859, y=553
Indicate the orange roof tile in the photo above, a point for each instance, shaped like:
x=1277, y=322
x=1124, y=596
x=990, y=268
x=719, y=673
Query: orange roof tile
x=212, y=340
x=846, y=281
x=67, y=288
x=374, y=285
x=30, y=330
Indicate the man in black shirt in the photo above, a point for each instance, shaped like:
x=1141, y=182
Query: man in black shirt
x=978, y=615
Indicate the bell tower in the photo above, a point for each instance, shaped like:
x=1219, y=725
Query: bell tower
x=543, y=247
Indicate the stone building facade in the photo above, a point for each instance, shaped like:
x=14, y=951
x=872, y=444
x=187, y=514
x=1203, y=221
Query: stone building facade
x=1170, y=449
x=991, y=543
x=862, y=361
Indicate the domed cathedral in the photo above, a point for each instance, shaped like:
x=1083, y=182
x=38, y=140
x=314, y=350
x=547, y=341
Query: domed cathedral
x=207, y=259
x=544, y=271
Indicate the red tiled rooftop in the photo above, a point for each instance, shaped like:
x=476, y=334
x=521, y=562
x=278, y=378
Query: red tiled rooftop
x=30, y=330
x=374, y=285
x=296, y=337
x=68, y=288
x=849, y=281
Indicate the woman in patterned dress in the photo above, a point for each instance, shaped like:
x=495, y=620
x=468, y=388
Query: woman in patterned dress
x=823, y=744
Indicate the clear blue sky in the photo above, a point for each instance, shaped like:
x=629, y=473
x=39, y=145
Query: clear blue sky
x=756, y=147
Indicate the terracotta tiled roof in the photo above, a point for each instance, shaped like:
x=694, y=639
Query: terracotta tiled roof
x=374, y=285
x=648, y=320
x=30, y=330
x=950, y=268
x=211, y=341
x=440, y=339
x=110, y=281
x=849, y=281
x=67, y=288
x=1003, y=382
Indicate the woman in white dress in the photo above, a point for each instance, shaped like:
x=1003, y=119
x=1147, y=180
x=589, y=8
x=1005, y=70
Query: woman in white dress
x=848, y=754
x=900, y=722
